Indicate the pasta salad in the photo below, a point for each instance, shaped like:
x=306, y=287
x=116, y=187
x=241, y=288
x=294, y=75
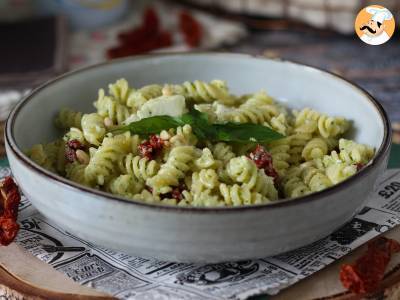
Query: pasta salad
x=196, y=144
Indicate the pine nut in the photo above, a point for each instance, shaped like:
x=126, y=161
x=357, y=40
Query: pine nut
x=108, y=122
x=82, y=157
x=167, y=90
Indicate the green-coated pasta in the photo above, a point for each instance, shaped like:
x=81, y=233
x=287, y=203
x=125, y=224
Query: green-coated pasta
x=174, y=169
x=180, y=167
x=107, y=107
x=140, y=167
x=120, y=91
x=93, y=128
x=142, y=95
x=67, y=118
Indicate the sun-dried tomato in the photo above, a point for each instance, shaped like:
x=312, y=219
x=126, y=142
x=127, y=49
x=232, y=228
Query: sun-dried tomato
x=176, y=192
x=156, y=142
x=145, y=149
x=359, y=166
x=150, y=26
x=366, y=274
x=9, y=201
x=144, y=38
x=70, y=149
x=151, y=147
x=191, y=28
x=70, y=154
x=75, y=144
x=160, y=40
x=263, y=160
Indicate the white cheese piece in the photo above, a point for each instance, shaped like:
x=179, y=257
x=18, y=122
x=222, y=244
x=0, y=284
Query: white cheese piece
x=173, y=106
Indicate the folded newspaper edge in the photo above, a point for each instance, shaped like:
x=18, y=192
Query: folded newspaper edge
x=126, y=276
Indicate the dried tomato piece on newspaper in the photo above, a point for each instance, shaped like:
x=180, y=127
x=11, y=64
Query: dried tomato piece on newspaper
x=150, y=26
x=9, y=201
x=191, y=29
x=146, y=37
x=366, y=274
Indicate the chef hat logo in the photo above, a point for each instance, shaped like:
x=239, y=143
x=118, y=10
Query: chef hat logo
x=375, y=25
x=379, y=14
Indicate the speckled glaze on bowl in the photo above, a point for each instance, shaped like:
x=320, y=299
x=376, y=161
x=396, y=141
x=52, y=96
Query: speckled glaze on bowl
x=196, y=234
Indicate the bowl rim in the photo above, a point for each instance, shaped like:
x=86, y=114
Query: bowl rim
x=380, y=154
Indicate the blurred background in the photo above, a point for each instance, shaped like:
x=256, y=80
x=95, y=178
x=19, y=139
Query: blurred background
x=44, y=38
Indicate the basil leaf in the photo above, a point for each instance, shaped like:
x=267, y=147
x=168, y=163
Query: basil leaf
x=245, y=133
x=227, y=132
x=199, y=122
x=151, y=125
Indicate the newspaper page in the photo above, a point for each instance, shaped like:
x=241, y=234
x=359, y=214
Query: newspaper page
x=129, y=277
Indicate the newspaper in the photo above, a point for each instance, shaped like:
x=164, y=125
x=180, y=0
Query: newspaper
x=130, y=277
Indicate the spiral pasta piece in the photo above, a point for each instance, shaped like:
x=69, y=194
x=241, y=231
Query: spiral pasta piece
x=235, y=195
x=297, y=143
x=184, y=136
x=37, y=154
x=93, y=128
x=280, y=124
x=311, y=121
x=139, y=97
x=125, y=185
x=315, y=148
x=178, y=163
x=265, y=186
x=251, y=114
x=352, y=152
x=254, y=110
x=208, y=109
x=205, y=179
x=206, y=160
x=75, y=134
x=259, y=98
x=50, y=156
x=340, y=171
x=76, y=172
x=315, y=178
x=200, y=91
x=105, y=161
x=206, y=198
x=187, y=199
x=293, y=185
x=279, y=150
x=140, y=168
x=120, y=90
x=111, y=108
x=146, y=196
x=242, y=170
x=222, y=151
x=67, y=118
x=306, y=121
x=332, y=126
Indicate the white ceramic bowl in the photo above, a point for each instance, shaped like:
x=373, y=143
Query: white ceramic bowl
x=196, y=234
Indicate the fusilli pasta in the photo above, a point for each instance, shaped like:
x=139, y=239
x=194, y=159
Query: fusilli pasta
x=176, y=166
